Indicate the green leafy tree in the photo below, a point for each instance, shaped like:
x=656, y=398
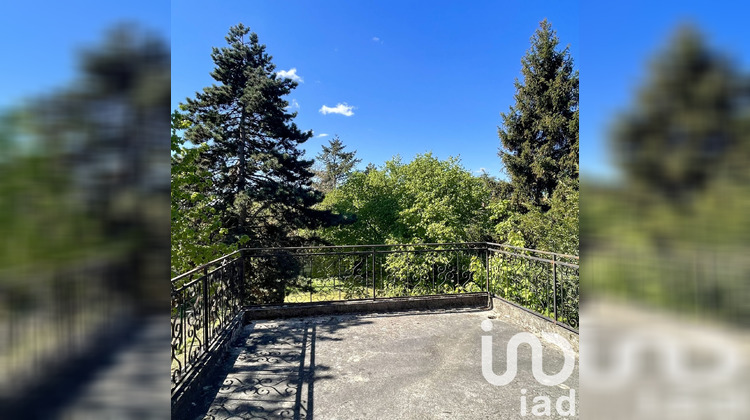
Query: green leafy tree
x=337, y=165
x=440, y=200
x=426, y=200
x=196, y=227
x=260, y=184
x=539, y=134
x=367, y=199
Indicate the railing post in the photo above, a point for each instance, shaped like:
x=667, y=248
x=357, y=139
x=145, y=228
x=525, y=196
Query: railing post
x=205, y=308
x=310, y=279
x=487, y=268
x=458, y=275
x=374, y=293
x=183, y=337
x=554, y=285
x=241, y=286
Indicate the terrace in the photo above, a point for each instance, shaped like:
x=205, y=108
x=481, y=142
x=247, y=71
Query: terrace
x=379, y=331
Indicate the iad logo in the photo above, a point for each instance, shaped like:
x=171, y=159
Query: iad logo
x=536, y=358
x=543, y=403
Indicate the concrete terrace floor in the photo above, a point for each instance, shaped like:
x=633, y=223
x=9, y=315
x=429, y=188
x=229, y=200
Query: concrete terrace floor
x=407, y=365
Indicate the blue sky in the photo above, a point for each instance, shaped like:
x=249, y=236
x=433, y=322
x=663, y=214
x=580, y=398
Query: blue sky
x=419, y=76
x=41, y=40
x=435, y=79
x=618, y=39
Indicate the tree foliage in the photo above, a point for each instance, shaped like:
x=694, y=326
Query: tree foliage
x=196, y=227
x=680, y=208
x=539, y=134
x=426, y=200
x=260, y=184
x=336, y=165
x=683, y=130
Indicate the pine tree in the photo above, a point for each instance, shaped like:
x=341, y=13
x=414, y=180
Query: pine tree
x=336, y=165
x=539, y=134
x=261, y=182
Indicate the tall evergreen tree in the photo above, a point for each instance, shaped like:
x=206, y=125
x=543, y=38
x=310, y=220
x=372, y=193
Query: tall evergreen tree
x=539, y=134
x=261, y=182
x=336, y=164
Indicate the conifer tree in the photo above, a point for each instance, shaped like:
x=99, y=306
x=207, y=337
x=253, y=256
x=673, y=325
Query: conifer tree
x=336, y=164
x=261, y=183
x=539, y=134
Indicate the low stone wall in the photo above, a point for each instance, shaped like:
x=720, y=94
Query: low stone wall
x=464, y=300
x=532, y=321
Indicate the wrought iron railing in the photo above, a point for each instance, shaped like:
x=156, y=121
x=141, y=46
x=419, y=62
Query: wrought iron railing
x=362, y=272
x=207, y=301
x=544, y=282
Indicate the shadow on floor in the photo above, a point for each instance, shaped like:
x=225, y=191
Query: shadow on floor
x=273, y=375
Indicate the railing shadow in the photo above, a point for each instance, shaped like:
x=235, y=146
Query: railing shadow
x=274, y=375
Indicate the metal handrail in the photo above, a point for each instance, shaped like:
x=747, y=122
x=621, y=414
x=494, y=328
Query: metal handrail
x=484, y=245
x=533, y=250
x=207, y=306
x=558, y=262
x=202, y=266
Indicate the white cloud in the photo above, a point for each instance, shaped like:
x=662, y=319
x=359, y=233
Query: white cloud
x=293, y=104
x=340, y=108
x=480, y=170
x=322, y=135
x=290, y=74
x=377, y=39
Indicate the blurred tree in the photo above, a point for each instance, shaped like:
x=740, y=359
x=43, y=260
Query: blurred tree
x=673, y=231
x=539, y=134
x=260, y=183
x=336, y=165
x=682, y=130
x=39, y=223
x=102, y=141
